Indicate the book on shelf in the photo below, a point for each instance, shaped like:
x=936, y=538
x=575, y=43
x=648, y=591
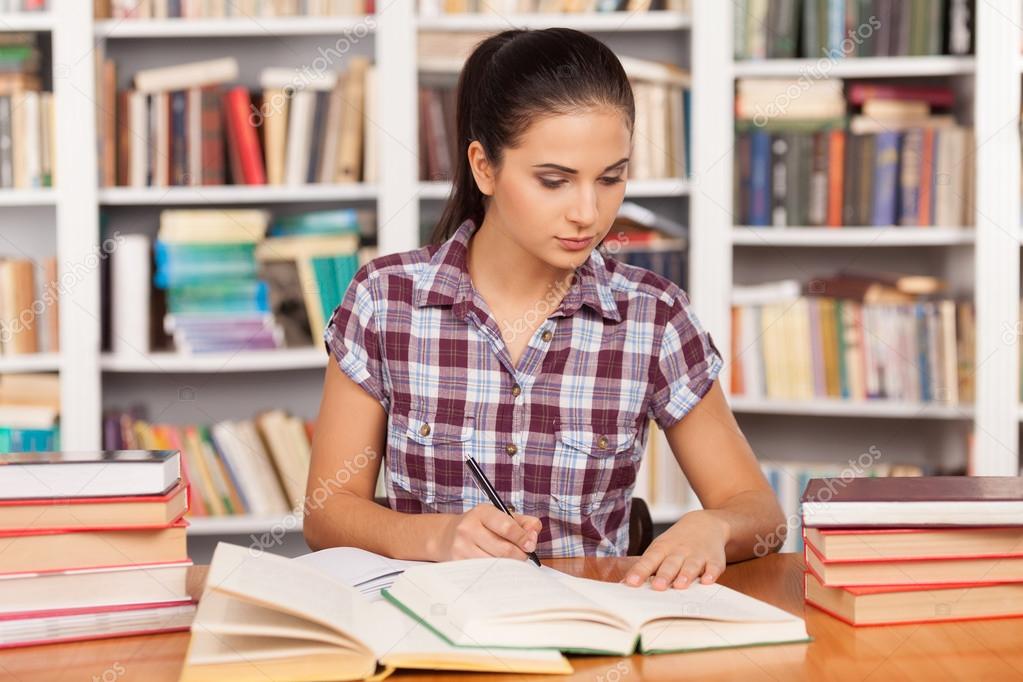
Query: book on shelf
x=911, y=544
x=257, y=467
x=876, y=155
x=27, y=114
x=29, y=306
x=505, y=7
x=836, y=29
x=29, y=412
x=661, y=90
x=92, y=545
x=191, y=125
x=847, y=337
x=229, y=9
x=18, y=6
x=641, y=237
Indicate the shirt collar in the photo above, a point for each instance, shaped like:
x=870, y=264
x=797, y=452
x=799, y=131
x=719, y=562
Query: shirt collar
x=446, y=281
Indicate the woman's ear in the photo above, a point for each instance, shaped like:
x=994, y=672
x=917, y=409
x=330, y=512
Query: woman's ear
x=481, y=168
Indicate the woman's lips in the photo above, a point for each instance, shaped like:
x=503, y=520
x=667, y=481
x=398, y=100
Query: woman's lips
x=575, y=244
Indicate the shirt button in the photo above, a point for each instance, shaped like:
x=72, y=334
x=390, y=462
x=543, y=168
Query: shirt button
x=603, y=441
x=546, y=336
x=511, y=449
x=511, y=508
x=424, y=430
x=516, y=390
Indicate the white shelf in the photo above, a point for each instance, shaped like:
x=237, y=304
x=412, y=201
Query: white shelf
x=246, y=361
x=34, y=362
x=856, y=67
x=852, y=236
x=666, y=188
x=831, y=407
x=26, y=21
x=255, y=27
x=234, y=194
x=590, y=21
x=28, y=197
x=243, y=524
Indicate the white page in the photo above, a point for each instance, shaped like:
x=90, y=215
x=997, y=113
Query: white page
x=357, y=567
x=698, y=601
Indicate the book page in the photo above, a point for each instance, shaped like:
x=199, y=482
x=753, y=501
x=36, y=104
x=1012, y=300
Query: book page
x=366, y=571
x=290, y=587
x=490, y=589
x=639, y=605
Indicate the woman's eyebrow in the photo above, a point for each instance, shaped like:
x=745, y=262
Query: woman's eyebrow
x=566, y=169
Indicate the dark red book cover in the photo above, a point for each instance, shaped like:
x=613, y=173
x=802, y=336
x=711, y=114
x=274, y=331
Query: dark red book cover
x=243, y=138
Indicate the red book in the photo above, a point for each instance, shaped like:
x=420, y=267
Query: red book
x=935, y=95
x=836, y=170
x=95, y=513
x=97, y=623
x=916, y=571
x=914, y=501
x=925, y=215
x=242, y=138
x=892, y=605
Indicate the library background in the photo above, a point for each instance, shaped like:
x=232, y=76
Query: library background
x=187, y=188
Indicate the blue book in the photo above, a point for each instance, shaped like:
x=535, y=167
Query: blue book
x=326, y=282
x=332, y=221
x=760, y=179
x=836, y=28
x=886, y=179
x=687, y=118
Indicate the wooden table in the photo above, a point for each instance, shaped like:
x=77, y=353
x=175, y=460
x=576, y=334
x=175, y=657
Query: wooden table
x=969, y=650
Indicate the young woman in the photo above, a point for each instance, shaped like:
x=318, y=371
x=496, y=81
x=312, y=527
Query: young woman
x=513, y=340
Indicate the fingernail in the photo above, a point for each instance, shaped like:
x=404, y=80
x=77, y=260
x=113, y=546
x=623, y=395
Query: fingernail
x=660, y=583
x=633, y=579
x=682, y=580
x=530, y=545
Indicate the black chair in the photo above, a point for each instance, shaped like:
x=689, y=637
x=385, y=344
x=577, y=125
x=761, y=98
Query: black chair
x=641, y=525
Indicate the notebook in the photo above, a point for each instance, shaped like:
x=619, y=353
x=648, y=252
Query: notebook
x=495, y=602
x=263, y=617
x=913, y=501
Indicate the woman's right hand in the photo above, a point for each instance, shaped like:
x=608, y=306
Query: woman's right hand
x=486, y=531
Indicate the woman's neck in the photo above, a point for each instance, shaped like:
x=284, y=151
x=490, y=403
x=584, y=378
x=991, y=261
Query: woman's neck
x=500, y=268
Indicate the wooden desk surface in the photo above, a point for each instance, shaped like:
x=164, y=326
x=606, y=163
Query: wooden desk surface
x=968, y=650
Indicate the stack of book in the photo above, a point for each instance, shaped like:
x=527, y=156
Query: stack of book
x=897, y=161
x=833, y=29
x=308, y=261
x=92, y=545
x=27, y=115
x=661, y=92
x=221, y=9
x=504, y=7
x=206, y=263
x=187, y=125
x=648, y=240
x=29, y=308
x=897, y=550
x=852, y=336
x=256, y=467
x=29, y=412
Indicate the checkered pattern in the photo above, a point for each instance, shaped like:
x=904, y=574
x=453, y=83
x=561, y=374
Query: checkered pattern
x=561, y=435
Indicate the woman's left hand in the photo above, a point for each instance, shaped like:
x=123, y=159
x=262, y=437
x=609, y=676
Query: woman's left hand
x=692, y=548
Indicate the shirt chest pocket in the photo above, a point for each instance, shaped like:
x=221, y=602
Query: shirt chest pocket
x=594, y=462
x=426, y=454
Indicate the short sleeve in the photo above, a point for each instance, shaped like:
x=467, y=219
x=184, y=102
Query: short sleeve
x=351, y=338
x=686, y=366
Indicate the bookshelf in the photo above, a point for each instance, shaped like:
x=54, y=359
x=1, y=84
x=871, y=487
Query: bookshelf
x=985, y=259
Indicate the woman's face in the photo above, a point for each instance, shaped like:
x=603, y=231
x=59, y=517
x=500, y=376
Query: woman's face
x=565, y=180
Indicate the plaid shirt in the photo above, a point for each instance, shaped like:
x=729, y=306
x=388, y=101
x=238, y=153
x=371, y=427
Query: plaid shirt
x=562, y=434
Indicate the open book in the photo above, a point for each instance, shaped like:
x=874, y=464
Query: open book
x=495, y=602
x=263, y=616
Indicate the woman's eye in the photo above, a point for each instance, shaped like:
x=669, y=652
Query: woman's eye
x=611, y=181
x=551, y=184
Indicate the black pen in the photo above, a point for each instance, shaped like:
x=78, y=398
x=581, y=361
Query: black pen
x=484, y=483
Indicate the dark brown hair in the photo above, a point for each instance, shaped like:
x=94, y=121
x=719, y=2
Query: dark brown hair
x=509, y=80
